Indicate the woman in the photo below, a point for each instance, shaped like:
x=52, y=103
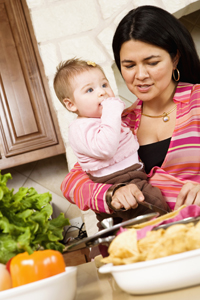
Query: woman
x=159, y=63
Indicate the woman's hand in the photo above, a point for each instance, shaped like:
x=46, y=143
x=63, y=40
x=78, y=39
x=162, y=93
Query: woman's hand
x=125, y=197
x=189, y=194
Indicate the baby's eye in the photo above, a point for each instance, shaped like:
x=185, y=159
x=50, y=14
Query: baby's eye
x=104, y=85
x=90, y=90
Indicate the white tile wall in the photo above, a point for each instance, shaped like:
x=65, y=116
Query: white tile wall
x=47, y=174
x=68, y=28
x=64, y=18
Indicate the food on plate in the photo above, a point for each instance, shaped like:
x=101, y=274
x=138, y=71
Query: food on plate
x=5, y=278
x=125, y=245
x=25, y=268
x=25, y=221
x=126, y=248
x=157, y=220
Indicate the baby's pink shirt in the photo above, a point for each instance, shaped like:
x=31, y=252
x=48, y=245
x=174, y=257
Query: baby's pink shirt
x=102, y=142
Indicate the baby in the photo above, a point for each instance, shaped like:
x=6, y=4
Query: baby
x=105, y=147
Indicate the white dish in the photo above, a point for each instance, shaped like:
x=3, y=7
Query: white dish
x=158, y=275
x=61, y=286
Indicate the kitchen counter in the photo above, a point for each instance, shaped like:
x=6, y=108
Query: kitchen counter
x=95, y=286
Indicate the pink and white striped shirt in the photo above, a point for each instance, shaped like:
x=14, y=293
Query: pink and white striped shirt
x=181, y=164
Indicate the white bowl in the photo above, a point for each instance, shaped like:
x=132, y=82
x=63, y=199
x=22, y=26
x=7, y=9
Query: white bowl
x=61, y=286
x=158, y=275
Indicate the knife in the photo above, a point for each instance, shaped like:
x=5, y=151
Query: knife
x=153, y=207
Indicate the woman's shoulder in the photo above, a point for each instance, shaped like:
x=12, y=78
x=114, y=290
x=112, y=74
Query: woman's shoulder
x=185, y=91
x=186, y=86
x=195, y=90
x=196, y=87
x=195, y=95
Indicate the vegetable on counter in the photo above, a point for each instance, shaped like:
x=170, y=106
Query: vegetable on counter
x=25, y=222
x=5, y=278
x=25, y=268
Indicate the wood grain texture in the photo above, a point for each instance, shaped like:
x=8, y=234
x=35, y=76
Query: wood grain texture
x=27, y=118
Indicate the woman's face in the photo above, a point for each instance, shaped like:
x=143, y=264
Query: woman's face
x=147, y=70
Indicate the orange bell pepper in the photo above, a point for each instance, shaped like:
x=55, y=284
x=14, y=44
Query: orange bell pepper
x=25, y=268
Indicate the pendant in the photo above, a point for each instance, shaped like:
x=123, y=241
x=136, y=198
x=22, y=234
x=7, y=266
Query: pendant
x=165, y=117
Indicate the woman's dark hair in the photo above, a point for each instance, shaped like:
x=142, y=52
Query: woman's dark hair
x=157, y=27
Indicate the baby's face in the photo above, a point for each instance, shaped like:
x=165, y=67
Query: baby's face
x=90, y=89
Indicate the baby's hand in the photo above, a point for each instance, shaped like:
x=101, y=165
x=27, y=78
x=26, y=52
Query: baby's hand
x=114, y=102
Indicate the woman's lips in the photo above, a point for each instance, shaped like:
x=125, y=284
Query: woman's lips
x=144, y=88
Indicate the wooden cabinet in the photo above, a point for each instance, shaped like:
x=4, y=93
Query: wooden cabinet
x=77, y=257
x=28, y=125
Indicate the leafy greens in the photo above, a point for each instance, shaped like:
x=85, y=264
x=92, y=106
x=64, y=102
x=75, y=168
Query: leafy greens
x=25, y=221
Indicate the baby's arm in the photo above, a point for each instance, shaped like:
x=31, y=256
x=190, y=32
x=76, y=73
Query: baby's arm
x=99, y=139
x=108, y=137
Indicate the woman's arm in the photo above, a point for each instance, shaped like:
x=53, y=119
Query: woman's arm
x=78, y=189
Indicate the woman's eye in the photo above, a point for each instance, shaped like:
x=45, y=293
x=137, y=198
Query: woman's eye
x=90, y=90
x=153, y=63
x=129, y=66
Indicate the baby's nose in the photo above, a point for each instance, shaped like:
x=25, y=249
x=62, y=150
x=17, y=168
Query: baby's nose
x=101, y=92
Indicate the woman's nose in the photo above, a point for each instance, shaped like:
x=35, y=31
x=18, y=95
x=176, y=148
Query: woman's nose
x=141, y=73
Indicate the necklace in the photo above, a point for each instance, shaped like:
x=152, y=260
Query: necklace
x=164, y=116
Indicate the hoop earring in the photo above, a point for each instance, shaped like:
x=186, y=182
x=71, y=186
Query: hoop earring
x=178, y=74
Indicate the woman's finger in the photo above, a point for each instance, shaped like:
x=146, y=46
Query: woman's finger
x=127, y=196
x=116, y=203
x=121, y=201
x=189, y=194
x=135, y=193
x=181, y=197
x=197, y=199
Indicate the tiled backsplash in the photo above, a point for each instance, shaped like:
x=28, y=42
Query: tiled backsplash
x=45, y=176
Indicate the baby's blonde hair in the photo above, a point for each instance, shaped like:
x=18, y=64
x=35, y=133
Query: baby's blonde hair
x=66, y=71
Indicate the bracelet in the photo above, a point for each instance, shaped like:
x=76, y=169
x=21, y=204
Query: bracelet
x=110, y=192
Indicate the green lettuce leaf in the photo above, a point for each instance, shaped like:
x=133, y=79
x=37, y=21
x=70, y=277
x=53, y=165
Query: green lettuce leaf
x=25, y=221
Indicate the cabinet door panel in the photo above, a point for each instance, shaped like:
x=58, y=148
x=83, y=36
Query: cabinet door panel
x=26, y=121
x=13, y=86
